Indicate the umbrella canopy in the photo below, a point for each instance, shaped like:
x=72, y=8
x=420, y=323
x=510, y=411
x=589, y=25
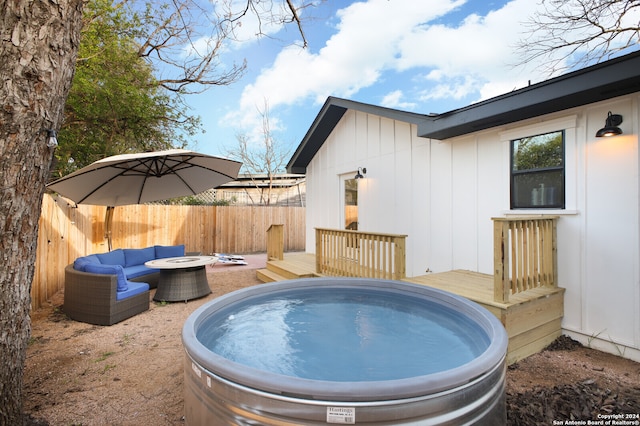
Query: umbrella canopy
x=150, y=176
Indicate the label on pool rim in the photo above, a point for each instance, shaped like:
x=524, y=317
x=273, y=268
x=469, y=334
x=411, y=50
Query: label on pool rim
x=341, y=415
x=196, y=370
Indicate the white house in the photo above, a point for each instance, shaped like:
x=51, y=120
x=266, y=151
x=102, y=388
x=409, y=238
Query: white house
x=441, y=178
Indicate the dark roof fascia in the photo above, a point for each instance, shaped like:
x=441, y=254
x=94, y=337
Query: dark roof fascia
x=330, y=114
x=610, y=79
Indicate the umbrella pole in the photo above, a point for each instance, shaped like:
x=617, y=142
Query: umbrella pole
x=108, y=220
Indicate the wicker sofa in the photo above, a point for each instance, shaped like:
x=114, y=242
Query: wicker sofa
x=107, y=288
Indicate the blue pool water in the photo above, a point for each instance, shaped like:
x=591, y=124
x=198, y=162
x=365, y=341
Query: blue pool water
x=343, y=335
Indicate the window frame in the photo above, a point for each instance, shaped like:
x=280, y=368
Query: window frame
x=573, y=151
x=515, y=174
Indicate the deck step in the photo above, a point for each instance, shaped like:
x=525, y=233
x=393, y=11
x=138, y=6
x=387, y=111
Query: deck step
x=289, y=270
x=267, y=276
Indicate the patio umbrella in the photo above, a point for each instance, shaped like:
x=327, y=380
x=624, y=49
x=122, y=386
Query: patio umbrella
x=144, y=177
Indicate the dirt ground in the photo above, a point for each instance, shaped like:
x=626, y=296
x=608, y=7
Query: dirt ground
x=131, y=373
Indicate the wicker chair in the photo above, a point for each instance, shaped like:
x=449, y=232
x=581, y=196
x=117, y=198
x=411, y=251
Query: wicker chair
x=91, y=297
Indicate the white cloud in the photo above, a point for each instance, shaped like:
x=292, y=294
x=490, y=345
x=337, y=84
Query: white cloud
x=396, y=100
x=364, y=45
x=376, y=39
x=472, y=57
x=451, y=87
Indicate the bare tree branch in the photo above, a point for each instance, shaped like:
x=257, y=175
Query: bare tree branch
x=185, y=39
x=267, y=157
x=296, y=18
x=570, y=33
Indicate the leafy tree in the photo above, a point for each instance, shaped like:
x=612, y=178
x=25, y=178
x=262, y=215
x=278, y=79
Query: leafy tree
x=538, y=152
x=570, y=33
x=39, y=43
x=115, y=104
x=120, y=101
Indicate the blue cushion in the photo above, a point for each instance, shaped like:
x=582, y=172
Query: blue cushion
x=134, y=257
x=169, y=251
x=134, y=288
x=115, y=257
x=137, y=271
x=80, y=263
x=110, y=269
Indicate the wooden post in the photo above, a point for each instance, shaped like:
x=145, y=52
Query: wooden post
x=554, y=250
x=500, y=260
x=275, y=242
x=318, y=251
x=399, y=260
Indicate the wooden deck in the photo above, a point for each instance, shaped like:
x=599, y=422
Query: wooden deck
x=532, y=318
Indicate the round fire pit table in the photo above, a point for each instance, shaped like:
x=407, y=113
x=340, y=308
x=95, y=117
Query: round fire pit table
x=181, y=278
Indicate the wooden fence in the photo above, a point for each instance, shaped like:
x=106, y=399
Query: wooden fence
x=360, y=254
x=525, y=254
x=67, y=231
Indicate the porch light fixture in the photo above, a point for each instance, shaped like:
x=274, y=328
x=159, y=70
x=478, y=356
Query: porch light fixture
x=361, y=172
x=610, y=126
x=52, y=139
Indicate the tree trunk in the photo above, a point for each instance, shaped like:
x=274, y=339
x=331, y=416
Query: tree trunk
x=38, y=46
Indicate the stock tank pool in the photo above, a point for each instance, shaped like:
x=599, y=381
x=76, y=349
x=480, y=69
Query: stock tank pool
x=343, y=351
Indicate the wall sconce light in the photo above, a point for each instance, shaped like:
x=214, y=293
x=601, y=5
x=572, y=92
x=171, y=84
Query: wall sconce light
x=610, y=126
x=361, y=172
x=52, y=138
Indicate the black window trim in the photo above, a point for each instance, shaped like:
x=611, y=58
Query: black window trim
x=513, y=173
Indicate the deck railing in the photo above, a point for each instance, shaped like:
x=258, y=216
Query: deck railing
x=525, y=254
x=360, y=254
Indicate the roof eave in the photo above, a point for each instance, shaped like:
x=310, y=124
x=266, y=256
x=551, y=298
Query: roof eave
x=330, y=114
x=603, y=81
x=320, y=129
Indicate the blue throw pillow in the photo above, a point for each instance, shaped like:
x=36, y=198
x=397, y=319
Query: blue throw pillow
x=80, y=263
x=111, y=270
x=115, y=257
x=135, y=257
x=169, y=251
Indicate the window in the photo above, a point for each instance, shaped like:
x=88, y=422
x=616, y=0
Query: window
x=537, y=172
x=351, y=204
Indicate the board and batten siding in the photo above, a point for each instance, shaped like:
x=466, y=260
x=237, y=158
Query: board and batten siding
x=384, y=147
x=443, y=194
x=610, y=293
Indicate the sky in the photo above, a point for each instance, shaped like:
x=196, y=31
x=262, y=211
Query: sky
x=424, y=56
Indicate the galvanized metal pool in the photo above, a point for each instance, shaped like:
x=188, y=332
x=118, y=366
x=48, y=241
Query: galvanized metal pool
x=343, y=351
